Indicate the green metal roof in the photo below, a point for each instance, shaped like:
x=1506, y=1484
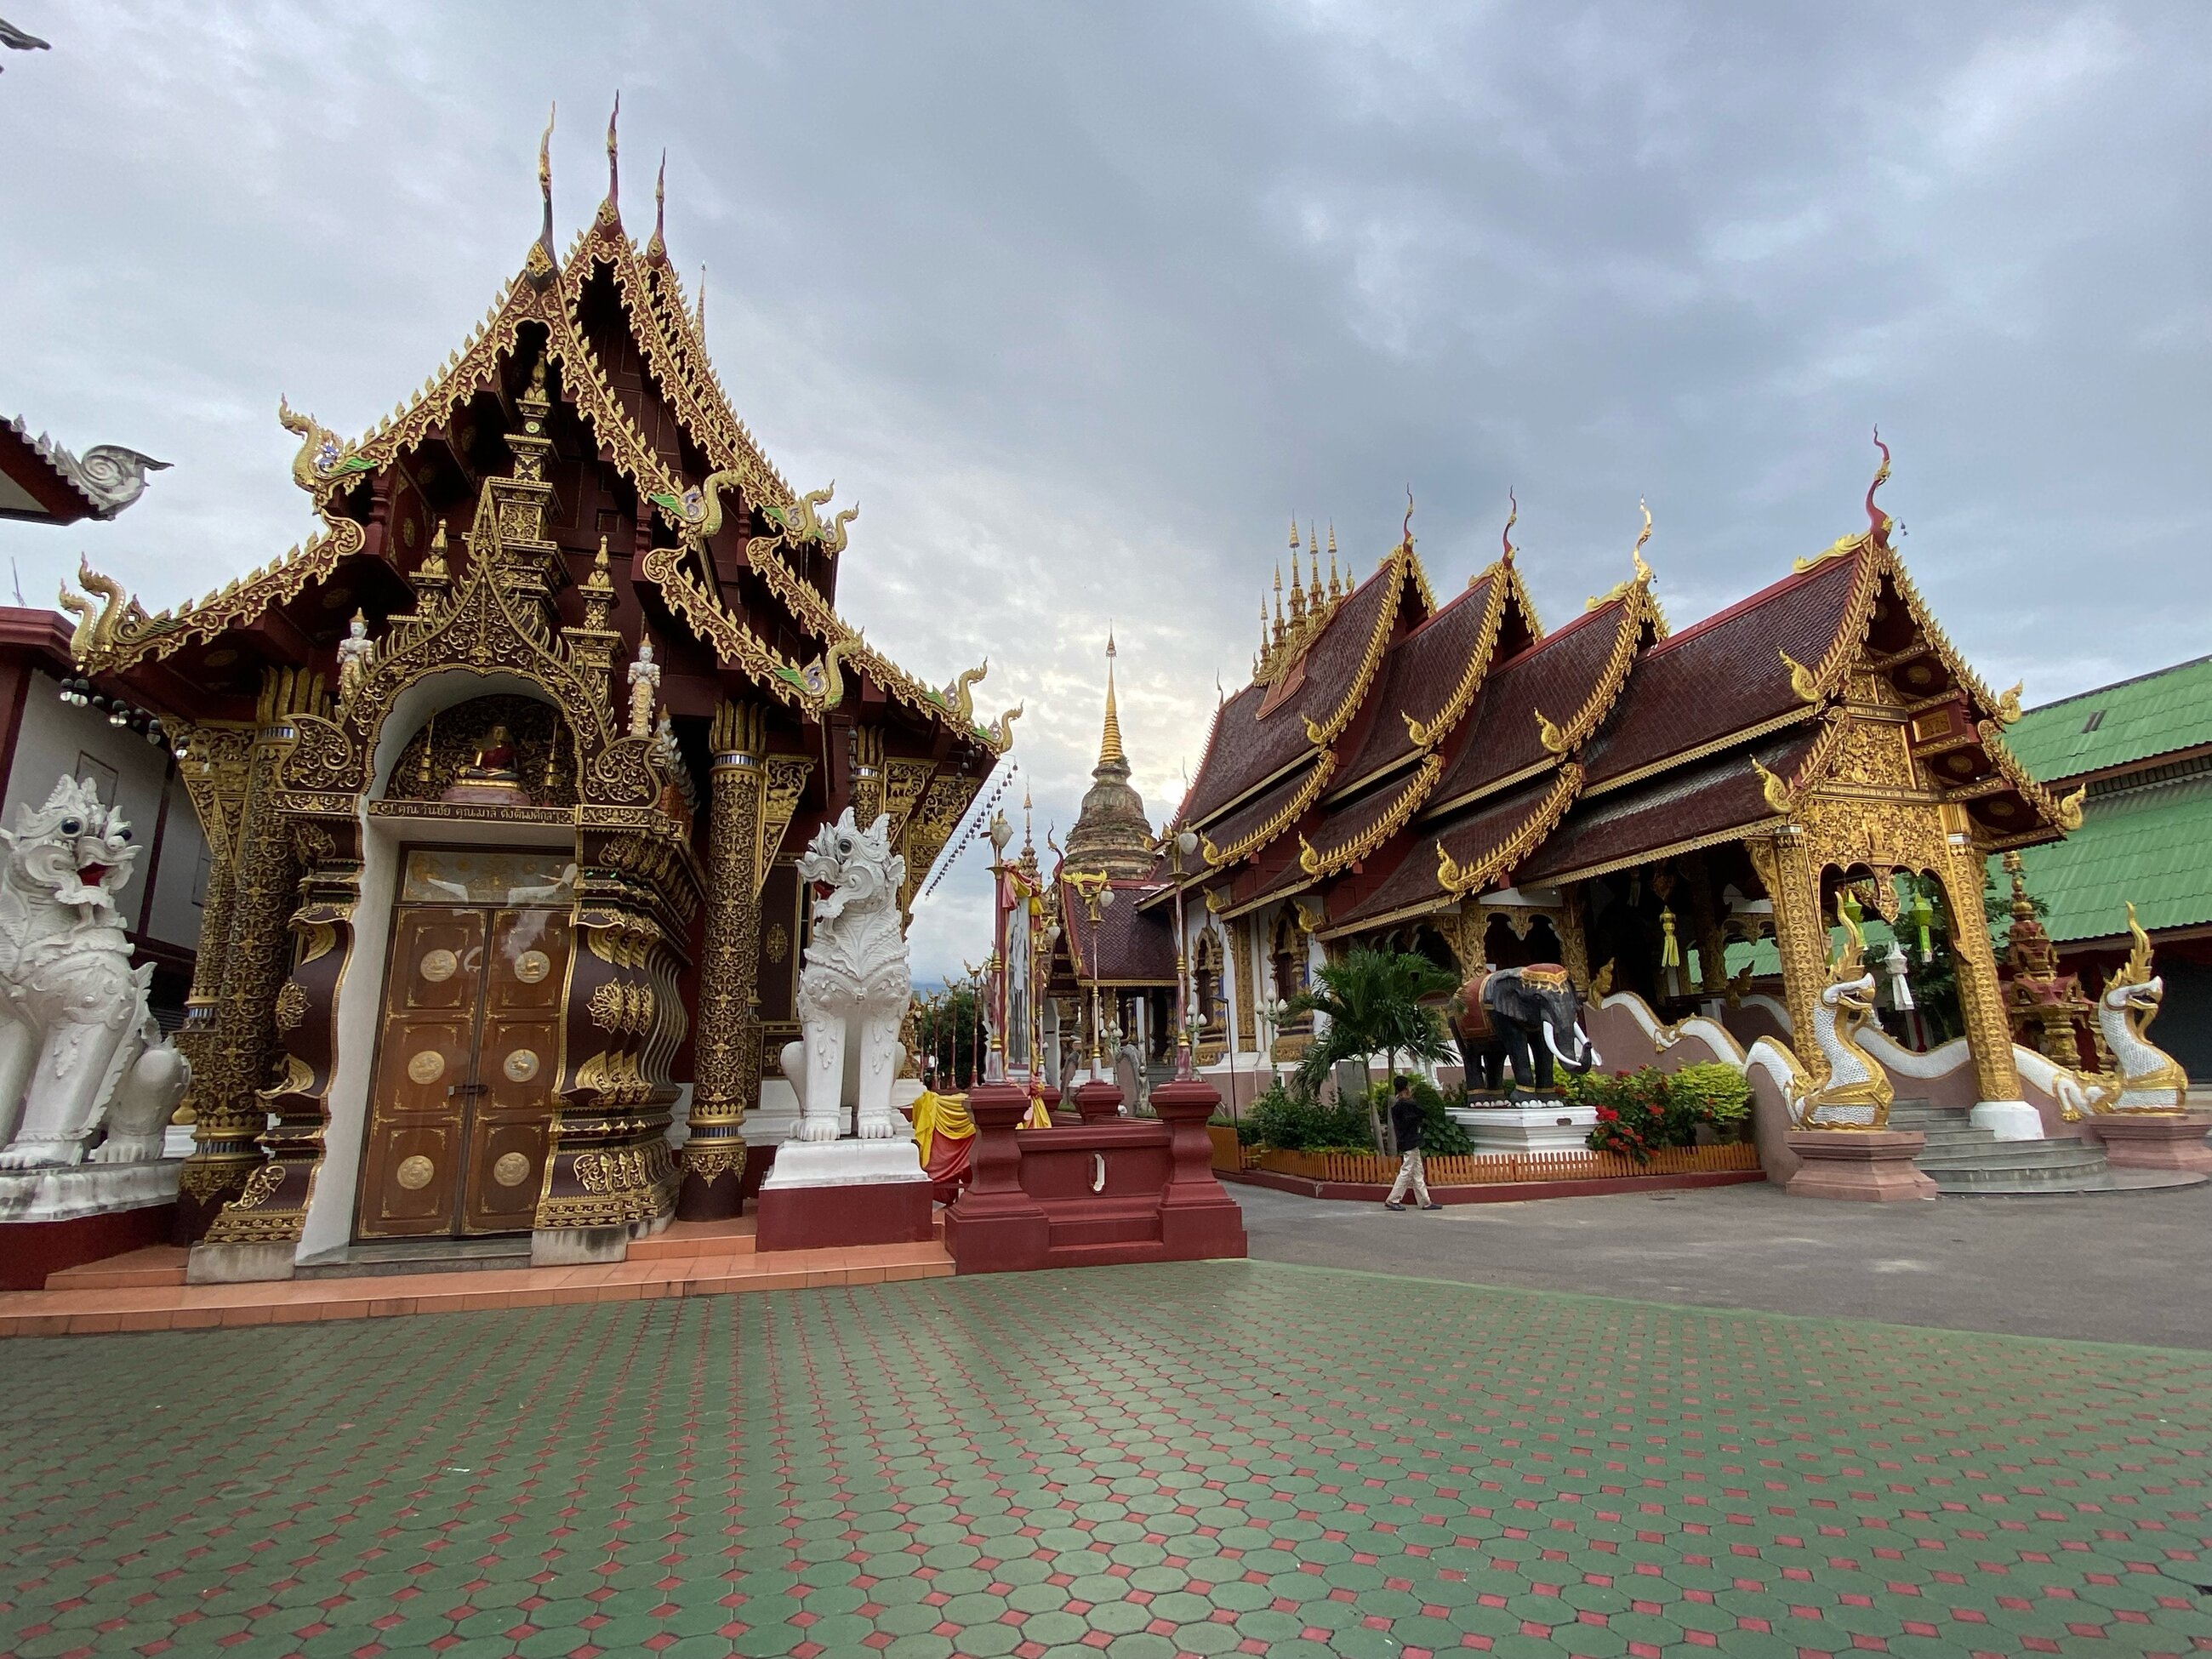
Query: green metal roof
x=2152, y=845
x=2134, y=721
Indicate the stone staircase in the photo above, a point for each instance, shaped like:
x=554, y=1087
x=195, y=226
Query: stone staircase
x=1962, y=1158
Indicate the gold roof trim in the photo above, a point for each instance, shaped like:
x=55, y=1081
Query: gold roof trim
x=1427, y=734
x=1304, y=796
x=1323, y=733
x=1457, y=880
x=1412, y=793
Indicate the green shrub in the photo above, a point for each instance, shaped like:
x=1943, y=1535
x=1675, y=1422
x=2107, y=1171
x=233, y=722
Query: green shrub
x=1637, y=1111
x=1720, y=1095
x=1290, y=1123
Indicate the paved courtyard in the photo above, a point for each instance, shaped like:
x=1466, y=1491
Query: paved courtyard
x=2105, y=1267
x=1217, y=1458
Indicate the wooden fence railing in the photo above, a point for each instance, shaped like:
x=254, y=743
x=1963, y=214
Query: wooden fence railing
x=1458, y=1171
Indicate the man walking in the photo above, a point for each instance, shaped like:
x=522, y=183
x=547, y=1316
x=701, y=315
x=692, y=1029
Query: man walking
x=1406, y=1128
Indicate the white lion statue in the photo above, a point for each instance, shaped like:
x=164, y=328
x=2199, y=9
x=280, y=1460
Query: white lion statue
x=853, y=987
x=79, y=1051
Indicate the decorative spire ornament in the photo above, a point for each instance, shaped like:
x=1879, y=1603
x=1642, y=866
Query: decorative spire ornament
x=614, y=173
x=547, y=253
x=658, y=247
x=1313, y=570
x=1334, y=591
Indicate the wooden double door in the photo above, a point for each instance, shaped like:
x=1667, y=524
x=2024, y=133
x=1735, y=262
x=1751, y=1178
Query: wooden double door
x=468, y=1051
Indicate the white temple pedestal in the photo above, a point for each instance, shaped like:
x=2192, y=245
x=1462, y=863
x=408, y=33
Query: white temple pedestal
x=1551, y=1127
x=2012, y=1120
x=821, y=1194
x=82, y=1189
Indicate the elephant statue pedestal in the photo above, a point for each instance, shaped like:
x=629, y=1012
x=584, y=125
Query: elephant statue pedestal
x=1525, y=1125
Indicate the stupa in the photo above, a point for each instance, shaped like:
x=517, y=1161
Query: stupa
x=1112, y=836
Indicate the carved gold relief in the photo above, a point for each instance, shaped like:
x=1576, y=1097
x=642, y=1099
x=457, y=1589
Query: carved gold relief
x=511, y=1168
x=415, y=1172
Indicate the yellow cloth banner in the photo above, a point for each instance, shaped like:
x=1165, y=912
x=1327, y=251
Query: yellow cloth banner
x=937, y=1114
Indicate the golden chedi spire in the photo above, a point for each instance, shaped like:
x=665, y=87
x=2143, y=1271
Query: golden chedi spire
x=1297, y=591
x=1109, y=738
x=1112, y=836
x=1313, y=572
x=1335, y=592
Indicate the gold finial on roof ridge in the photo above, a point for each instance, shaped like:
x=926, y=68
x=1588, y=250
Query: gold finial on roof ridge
x=546, y=248
x=1878, y=522
x=614, y=174
x=1643, y=570
x=658, y=244
x=699, y=320
x=1512, y=518
x=1313, y=575
x=1294, y=530
x=1336, y=590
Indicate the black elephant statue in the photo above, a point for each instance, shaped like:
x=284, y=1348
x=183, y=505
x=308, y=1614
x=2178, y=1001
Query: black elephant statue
x=1528, y=1015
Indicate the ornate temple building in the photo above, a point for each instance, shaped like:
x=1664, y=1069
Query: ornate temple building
x=1444, y=774
x=502, y=774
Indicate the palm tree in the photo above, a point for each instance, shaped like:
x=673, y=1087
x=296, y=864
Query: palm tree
x=1373, y=1001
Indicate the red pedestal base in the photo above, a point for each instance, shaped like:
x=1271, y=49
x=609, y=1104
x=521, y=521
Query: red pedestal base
x=825, y=1218
x=1869, y=1167
x=2134, y=1142
x=29, y=1250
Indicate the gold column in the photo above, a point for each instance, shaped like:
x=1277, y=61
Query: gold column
x=214, y=766
x=1981, y=997
x=726, y=1076
x=230, y=1116
x=1574, y=939
x=1800, y=932
x=867, y=775
x=1240, y=946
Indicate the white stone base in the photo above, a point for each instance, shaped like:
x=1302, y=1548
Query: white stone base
x=772, y=1121
x=844, y=1163
x=177, y=1140
x=1553, y=1128
x=2011, y=1120
x=60, y=1194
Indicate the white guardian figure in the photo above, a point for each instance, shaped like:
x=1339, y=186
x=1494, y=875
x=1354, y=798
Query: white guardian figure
x=853, y=987
x=79, y=1051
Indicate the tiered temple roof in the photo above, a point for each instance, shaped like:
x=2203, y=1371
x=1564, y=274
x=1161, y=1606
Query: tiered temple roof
x=1406, y=755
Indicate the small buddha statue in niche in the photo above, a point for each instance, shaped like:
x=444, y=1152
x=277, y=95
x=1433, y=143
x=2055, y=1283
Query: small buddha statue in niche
x=490, y=778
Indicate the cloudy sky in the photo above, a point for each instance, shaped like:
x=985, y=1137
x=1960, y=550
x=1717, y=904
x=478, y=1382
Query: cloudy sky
x=1081, y=304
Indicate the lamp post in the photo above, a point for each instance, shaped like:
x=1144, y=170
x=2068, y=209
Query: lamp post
x=1185, y=844
x=1272, y=1014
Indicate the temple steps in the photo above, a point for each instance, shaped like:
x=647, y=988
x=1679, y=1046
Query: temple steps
x=1963, y=1159
x=420, y=1255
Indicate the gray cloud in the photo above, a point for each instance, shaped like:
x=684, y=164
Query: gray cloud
x=1080, y=303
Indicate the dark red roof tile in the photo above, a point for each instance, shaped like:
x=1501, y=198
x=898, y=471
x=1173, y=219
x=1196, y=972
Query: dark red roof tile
x=1229, y=834
x=1246, y=749
x=1469, y=841
x=1134, y=945
x=1418, y=674
x=1725, y=675
x=1556, y=676
x=1709, y=797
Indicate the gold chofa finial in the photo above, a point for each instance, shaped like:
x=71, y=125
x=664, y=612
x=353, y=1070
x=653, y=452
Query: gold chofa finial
x=660, y=204
x=1878, y=521
x=614, y=176
x=699, y=321
x=545, y=156
x=1512, y=518
x=1643, y=570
